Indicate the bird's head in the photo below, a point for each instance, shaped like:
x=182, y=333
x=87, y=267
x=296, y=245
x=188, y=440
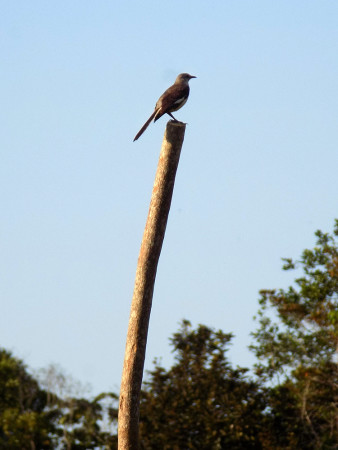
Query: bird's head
x=184, y=77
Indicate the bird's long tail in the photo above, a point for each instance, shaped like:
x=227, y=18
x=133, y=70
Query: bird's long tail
x=145, y=126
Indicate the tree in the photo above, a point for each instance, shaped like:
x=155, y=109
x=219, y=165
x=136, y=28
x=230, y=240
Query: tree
x=25, y=422
x=201, y=402
x=84, y=424
x=298, y=351
x=33, y=418
x=81, y=423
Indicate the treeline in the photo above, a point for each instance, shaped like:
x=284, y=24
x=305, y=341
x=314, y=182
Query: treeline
x=288, y=401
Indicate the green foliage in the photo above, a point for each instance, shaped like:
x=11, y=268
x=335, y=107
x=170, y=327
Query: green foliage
x=25, y=420
x=201, y=402
x=33, y=418
x=307, y=331
x=81, y=423
x=300, y=346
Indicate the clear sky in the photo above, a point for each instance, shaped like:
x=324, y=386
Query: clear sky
x=257, y=176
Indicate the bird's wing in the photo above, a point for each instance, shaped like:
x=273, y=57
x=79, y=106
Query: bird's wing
x=171, y=100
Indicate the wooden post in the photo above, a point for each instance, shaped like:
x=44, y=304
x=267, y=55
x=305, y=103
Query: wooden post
x=129, y=405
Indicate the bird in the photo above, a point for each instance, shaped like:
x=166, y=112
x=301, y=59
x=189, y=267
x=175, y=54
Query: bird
x=171, y=100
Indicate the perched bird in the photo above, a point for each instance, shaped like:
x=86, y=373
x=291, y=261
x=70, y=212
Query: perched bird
x=171, y=100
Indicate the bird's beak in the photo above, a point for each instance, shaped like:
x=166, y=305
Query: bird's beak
x=192, y=76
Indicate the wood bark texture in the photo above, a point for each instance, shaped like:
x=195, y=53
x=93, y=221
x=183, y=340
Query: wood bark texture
x=153, y=236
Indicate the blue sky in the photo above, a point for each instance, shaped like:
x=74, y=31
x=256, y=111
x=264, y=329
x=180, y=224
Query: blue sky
x=257, y=176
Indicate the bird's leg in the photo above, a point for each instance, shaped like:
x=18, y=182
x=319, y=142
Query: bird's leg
x=173, y=117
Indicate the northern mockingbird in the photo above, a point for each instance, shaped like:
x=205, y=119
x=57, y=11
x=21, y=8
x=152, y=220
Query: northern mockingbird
x=171, y=100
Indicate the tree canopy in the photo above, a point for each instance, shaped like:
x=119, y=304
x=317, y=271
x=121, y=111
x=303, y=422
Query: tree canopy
x=34, y=418
x=291, y=401
x=300, y=345
x=288, y=401
x=201, y=401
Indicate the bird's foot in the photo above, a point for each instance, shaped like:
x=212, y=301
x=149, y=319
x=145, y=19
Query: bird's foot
x=177, y=121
